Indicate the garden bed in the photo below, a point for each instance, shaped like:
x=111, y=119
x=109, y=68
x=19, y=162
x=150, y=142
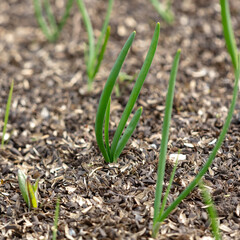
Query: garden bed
x=52, y=118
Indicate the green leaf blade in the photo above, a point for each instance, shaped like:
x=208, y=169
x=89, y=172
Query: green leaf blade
x=50, y=17
x=8, y=107
x=31, y=194
x=106, y=127
x=65, y=15
x=41, y=21
x=91, y=45
x=102, y=51
x=105, y=96
x=104, y=27
x=127, y=134
x=35, y=185
x=228, y=32
x=165, y=134
x=23, y=186
x=165, y=12
x=136, y=89
x=204, y=169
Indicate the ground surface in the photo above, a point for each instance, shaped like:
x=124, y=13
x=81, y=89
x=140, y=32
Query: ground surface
x=52, y=124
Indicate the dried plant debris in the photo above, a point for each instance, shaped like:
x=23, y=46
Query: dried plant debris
x=51, y=124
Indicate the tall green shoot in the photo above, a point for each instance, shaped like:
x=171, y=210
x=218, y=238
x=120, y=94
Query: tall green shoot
x=165, y=133
x=95, y=52
x=231, y=46
x=111, y=153
x=29, y=191
x=164, y=10
x=49, y=26
x=228, y=32
x=8, y=106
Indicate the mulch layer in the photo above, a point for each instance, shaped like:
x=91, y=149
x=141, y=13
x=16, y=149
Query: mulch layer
x=51, y=124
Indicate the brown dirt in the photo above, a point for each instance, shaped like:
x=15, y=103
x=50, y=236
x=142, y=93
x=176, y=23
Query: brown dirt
x=52, y=124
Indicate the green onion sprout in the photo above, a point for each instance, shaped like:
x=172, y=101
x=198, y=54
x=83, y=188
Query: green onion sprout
x=95, y=52
x=163, y=148
x=164, y=10
x=29, y=191
x=111, y=153
x=8, y=106
x=231, y=46
x=49, y=26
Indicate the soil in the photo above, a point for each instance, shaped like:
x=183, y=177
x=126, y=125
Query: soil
x=51, y=124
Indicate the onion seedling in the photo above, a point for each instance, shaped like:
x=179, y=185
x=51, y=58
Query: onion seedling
x=29, y=191
x=211, y=210
x=164, y=10
x=228, y=32
x=8, y=106
x=49, y=26
x=95, y=52
x=235, y=56
x=163, y=149
x=111, y=153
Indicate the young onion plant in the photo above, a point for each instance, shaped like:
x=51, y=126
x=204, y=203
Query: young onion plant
x=50, y=27
x=29, y=191
x=8, y=106
x=111, y=153
x=158, y=208
x=95, y=52
x=159, y=216
x=164, y=10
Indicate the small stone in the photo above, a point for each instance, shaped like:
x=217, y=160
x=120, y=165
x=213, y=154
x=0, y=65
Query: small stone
x=45, y=113
x=122, y=31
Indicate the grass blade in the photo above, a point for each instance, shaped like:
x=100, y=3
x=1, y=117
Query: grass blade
x=164, y=12
x=106, y=93
x=31, y=194
x=104, y=27
x=136, y=89
x=55, y=227
x=7, y=113
x=42, y=23
x=65, y=15
x=128, y=133
x=204, y=169
x=50, y=27
x=102, y=51
x=228, y=32
x=35, y=185
x=212, y=213
x=23, y=187
x=165, y=133
x=91, y=45
x=50, y=17
x=106, y=127
x=232, y=50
